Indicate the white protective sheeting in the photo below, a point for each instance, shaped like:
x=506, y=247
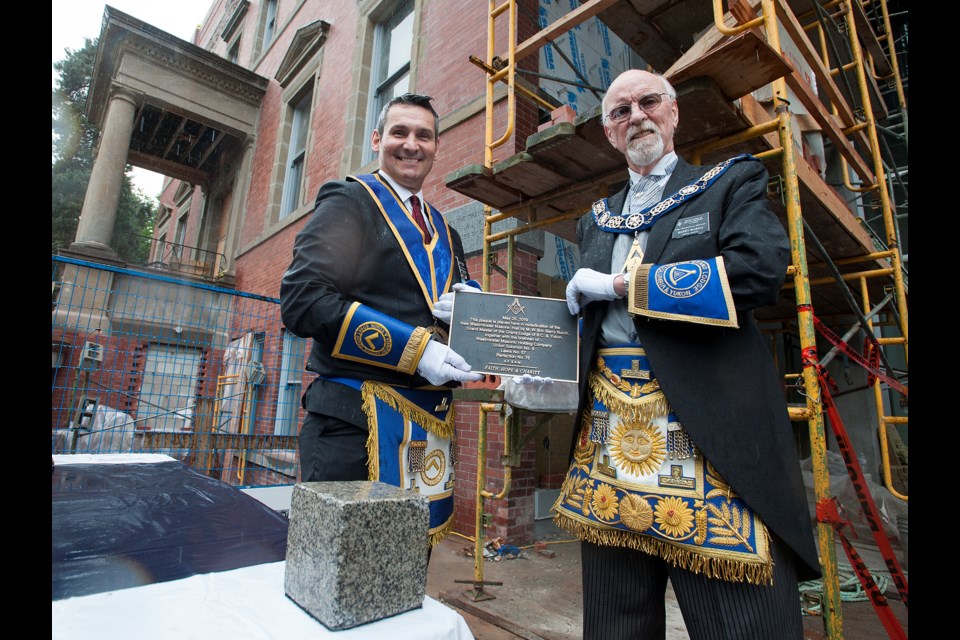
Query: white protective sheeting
x=241, y=604
x=111, y=458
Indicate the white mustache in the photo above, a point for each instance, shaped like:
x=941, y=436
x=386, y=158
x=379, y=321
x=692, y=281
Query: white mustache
x=640, y=128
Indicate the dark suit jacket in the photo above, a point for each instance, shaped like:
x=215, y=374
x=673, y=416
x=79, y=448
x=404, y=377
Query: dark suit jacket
x=721, y=382
x=347, y=253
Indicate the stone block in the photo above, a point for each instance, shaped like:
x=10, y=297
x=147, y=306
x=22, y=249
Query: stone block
x=356, y=551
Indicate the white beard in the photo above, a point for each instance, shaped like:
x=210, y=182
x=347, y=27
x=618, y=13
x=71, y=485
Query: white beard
x=646, y=150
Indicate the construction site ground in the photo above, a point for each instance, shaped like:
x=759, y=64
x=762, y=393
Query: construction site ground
x=539, y=597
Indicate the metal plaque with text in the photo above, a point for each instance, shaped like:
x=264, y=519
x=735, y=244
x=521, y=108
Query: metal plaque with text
x=510, y=335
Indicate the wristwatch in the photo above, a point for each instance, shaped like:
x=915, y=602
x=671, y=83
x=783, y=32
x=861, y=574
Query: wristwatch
x=626, y=284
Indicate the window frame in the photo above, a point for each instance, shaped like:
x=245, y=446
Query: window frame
x=267, y=27
x=300, y=118
x=383, y=29
x=290, y=384
x=360, y=121
x=233, y=50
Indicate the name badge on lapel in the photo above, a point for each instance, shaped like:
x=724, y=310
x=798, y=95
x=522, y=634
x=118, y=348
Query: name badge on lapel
x=692, y=226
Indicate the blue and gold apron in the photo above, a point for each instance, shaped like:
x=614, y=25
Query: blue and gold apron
x=638, y=481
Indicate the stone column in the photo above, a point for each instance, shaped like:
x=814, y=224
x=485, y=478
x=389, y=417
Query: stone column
x=95, y=230
x=238, y=209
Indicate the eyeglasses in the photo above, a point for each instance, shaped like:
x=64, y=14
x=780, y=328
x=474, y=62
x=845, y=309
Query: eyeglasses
x=648, y=103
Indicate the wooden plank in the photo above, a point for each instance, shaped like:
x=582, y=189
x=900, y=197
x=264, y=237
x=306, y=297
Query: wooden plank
x=153, y=440
x=868, y=40
x=477, y=182
x=560, y=148
x=828, y=214
x=824, y=79
x=844, y=235
x=590, y=128
x=524, y=174
x=571, y=19
x=708, y=40
x=710, y=114
x=638, y=28
x=811, y=56
x=813, y=105
x=740, y=65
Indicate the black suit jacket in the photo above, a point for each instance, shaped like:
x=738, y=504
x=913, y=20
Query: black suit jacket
x=347, y=253
x=721, y=382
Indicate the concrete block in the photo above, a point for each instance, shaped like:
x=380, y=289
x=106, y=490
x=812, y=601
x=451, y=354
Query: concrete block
x=356, y=551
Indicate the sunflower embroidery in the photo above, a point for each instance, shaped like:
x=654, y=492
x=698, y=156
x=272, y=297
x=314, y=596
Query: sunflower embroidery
x=674, y=517
x=605, y=502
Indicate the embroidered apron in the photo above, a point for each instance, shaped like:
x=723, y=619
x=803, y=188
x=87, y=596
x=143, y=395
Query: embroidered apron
x=637, y=481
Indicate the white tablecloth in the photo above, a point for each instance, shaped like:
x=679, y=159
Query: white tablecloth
x=247, y=603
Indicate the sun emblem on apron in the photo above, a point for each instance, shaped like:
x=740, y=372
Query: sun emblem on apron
x=637, y=449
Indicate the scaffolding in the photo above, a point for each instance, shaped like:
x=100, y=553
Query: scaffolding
x=771, y=78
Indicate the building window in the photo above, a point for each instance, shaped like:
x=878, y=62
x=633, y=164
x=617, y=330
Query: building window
x=180, y=235
x=270, y=24
x=390, y=67
x=288, y=392
x=169, y=388
x=158, y=252
x=234, y=54
x=254, y=378
x=296, y=152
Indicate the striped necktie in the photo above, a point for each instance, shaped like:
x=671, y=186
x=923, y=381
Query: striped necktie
x=418, y=218
x=646, y=192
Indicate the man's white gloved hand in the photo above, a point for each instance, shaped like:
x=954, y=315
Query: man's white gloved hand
x=587, y=286
x=443, y=309
x=536, y=382
x=440, y=364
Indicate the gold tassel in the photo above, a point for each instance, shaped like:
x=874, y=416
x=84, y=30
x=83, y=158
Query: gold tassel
x=441, y=532
x=373, y=446
x=726, y=569
x=413, y=351
x=646, y=408
x=385, y=393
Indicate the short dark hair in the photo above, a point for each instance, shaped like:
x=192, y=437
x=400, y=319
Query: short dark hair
x=414, y=99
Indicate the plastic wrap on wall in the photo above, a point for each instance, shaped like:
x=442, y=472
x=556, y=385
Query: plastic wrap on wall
x=116, y=526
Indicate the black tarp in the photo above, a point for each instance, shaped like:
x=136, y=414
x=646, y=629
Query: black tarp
x=123, y=525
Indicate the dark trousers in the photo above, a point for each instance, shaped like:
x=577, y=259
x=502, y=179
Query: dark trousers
x=623, y=599
x=331, y=449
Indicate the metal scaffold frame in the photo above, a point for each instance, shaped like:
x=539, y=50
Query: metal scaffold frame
x=854, y=130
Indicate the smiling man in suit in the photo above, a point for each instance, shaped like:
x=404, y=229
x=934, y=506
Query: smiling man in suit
x=684, y=463
x=371, y=281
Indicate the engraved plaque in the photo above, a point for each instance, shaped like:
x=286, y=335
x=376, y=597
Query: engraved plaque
x=510, y=335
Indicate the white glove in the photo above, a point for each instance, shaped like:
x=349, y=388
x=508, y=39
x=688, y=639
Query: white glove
x=588, y=285
x=443, y=309
x=537, y=381
x=440, y=364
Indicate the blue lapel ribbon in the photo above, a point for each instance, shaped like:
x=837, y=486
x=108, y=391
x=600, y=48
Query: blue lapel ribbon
x=432, y=264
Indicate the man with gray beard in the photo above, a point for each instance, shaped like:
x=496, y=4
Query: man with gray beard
x=684, y=462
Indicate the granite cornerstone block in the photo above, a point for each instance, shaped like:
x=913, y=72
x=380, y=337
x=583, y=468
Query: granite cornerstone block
x=356, y=551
